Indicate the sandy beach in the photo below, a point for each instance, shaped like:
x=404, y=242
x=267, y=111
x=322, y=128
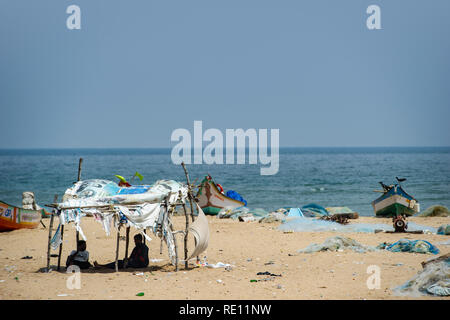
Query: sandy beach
x=250, y=247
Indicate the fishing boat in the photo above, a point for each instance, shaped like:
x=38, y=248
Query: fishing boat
x=212, y=199
x=12, y=217
x=395, y=201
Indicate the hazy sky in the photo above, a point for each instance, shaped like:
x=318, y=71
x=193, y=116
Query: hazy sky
x=137, y=70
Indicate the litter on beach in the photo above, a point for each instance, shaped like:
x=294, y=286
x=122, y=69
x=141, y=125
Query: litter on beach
x=218, y=265
x=267, y=273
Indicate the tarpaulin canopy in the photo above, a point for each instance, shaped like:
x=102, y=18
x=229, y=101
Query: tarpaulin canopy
x=96, y=193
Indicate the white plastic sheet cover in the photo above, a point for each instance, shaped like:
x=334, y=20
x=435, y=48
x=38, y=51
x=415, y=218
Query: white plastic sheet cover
x=143, y=216
x=200, y=230
x=97, y=192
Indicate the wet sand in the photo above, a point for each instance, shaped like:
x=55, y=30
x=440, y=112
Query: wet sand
x=251, y=247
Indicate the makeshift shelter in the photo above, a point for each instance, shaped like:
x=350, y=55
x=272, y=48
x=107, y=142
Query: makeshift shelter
x=144, y=207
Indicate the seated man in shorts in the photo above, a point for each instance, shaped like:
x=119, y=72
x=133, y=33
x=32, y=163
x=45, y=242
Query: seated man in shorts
x=137, y=259
x=79, y=257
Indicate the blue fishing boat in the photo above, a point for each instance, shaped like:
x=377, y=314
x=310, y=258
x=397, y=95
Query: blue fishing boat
x=395, y=201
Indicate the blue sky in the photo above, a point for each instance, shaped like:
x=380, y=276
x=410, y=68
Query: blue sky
x=137, y=70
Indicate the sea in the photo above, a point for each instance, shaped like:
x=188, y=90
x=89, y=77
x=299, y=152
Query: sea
x=325, y=176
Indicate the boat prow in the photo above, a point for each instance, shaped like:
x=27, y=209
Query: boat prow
x=211, y=200
x=13, y=218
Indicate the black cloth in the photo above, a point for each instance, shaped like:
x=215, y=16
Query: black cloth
x=81, y=264
x=138, y=258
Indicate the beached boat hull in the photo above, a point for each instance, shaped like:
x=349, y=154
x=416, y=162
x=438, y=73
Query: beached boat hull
x=12, y=217
x=395, y=202
x=211, y=200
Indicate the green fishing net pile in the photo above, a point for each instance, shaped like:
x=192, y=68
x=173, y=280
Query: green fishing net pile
x=435, y=211
x=335, y=244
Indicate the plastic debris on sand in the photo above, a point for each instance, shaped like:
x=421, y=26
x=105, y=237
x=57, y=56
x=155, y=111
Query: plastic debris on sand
x=218, y=265
x=335, y=244
x=434, y=279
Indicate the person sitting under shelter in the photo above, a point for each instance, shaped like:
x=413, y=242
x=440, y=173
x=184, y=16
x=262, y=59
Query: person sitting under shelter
x=79, y=257
x=137, y=259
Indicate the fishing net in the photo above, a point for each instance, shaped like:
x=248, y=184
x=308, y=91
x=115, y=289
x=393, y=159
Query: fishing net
x=235, y=213
x=435, y=211
x=418, y=246
x=317, y=225
x=444, y=230
x=335, y=244
x=434, y=279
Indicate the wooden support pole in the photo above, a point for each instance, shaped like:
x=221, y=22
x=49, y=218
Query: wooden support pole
x=161, y=227
x=50, y=235
x=79, y=169
x=125, y=260
x=186, y=238
x=60, y=246
x=190, y=196
x=80, y=162
x=117, y=248
x=49, y=240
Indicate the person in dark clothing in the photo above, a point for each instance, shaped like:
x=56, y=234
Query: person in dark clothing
x=137, y=259
x=79, y=257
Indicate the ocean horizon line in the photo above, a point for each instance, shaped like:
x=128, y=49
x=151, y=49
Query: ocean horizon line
x=170, y=148
x=283, y=151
